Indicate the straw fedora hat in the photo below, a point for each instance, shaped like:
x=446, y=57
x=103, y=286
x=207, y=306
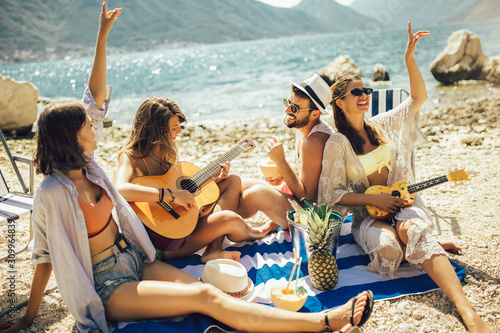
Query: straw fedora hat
x=318, y=91
x=229, y=276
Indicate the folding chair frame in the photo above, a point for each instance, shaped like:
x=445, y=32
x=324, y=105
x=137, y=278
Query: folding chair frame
x=23, y=159
x=27, y=190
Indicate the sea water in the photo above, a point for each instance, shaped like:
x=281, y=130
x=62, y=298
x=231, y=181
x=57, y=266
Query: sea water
x=242, y=80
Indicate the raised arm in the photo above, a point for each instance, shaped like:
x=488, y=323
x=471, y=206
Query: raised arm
x=97, y=80
x=417, y=84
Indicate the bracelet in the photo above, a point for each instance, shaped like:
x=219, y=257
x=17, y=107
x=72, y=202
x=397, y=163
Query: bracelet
x=171, y=194
x=161, y=193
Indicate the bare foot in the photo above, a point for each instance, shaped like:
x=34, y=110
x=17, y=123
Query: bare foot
x=340, y=317
x=220, y=254
x=451, y=247
x=473, y=322
x=267, y=228
x=349, y=328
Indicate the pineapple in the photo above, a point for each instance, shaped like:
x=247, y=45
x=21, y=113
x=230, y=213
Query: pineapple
x=322, y=266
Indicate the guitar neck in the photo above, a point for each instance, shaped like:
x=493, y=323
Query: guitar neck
x=426, y=184
x=207, y=172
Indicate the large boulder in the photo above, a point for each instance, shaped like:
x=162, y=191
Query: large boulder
x=462, y=59
x=380, y=74
x=340, y=65
x=491, y=70
x=18, y=106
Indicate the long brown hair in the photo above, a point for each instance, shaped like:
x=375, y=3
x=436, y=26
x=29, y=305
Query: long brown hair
x=339, y=91
x=57, y=138
x=150, y=128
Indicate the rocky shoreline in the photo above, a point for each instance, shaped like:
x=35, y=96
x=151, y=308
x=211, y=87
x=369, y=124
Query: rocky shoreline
x=463, y=129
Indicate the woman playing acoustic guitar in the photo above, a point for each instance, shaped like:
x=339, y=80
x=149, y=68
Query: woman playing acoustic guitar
x=102, y=257
x=378, y=152
x=151, y=151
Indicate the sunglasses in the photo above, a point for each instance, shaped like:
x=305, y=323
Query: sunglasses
x=359, y=92
x=293, y=107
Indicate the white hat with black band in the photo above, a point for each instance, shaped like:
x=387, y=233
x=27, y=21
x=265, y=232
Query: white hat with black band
x=317, y=90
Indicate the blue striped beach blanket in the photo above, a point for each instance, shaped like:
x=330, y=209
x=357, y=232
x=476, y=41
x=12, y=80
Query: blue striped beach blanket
x=269, y=263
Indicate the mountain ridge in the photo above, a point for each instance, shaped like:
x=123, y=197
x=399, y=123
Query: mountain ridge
x=482, y=10
x=394, y=14
x=37, y=29
x=334, y=15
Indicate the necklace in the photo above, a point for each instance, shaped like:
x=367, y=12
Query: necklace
x=154, y=157
x=163, y=166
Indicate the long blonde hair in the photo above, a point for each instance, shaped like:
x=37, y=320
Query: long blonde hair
x=339, y=91
x=150, y=128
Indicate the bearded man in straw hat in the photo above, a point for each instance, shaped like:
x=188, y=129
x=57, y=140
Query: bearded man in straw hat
x=304, y=107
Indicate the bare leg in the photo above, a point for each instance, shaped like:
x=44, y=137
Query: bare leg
x=217, y=225
x=442, y=273
x=246, y=183
x=267, y=199
x=230, y=192
x=150, y=299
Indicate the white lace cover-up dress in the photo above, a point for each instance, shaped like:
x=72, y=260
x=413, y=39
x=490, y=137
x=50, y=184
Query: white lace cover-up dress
x=343, y=173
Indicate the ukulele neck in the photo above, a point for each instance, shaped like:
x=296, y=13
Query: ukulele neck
x=426, y=184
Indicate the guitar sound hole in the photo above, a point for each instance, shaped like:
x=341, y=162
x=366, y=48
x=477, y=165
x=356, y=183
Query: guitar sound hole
x=189, y=185
x=396, y=194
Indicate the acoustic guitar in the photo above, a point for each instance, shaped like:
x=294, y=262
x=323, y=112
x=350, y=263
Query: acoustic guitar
x=406, y=191
x=169, y=225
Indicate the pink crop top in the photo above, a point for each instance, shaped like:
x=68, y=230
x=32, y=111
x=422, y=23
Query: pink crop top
x=97, y=216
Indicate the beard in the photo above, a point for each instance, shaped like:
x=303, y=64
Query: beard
x=292, y=121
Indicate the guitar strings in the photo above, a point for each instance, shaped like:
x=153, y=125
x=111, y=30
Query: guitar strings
x=204, y=174
x=200, y=177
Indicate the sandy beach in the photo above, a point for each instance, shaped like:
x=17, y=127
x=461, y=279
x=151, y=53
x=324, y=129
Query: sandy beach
x=463, y=128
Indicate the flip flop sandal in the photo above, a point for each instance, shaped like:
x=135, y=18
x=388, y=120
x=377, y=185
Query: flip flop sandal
x=353, y=329
x=367, y=312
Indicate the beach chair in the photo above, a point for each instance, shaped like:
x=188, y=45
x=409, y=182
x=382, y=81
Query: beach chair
x=383, y=100
x=16, y=205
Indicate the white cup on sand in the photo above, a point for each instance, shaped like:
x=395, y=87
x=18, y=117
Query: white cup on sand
x=269, y=169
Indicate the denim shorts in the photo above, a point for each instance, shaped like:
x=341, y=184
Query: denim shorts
x=119, y=268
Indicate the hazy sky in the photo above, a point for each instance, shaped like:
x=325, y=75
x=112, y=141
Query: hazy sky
x=291, y=3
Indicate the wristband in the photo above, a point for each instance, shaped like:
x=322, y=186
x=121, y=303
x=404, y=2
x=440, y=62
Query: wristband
x=171, y=194
x=161, y=193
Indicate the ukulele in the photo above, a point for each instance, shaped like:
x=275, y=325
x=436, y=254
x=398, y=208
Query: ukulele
x=406, y=191
x=169, y=225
